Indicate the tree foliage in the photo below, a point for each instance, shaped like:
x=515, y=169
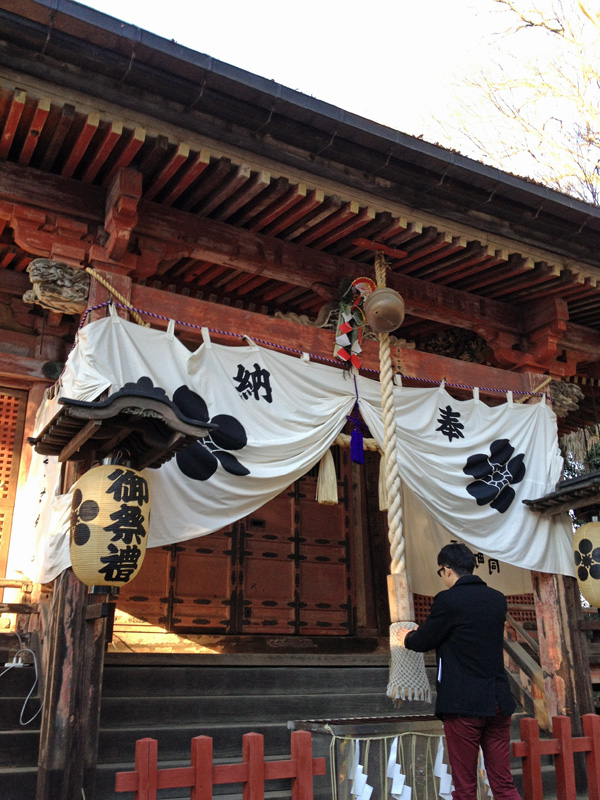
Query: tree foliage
x=534, y=107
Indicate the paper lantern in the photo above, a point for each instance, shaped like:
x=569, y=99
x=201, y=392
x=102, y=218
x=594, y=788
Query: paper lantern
x=586, y=547
x=384, y=310
x=110, y=513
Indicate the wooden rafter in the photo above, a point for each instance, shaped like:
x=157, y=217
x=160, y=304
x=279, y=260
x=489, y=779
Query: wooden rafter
x=182, y=181
x=159, y=180
x=257, y=183
x=34, y=130
x=136, y=139
x=108, y=140
x=59, y=134
x=90, y=126
x=17, y=104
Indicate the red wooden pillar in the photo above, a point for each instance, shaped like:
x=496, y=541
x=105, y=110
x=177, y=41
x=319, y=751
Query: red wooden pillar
x=591, y=728
x=146, y=766
x=564, y=759
x=563, y=653
x=302, y=784
x=253, y=756
x=530, y=751
x=202, y=765
x=100, y=294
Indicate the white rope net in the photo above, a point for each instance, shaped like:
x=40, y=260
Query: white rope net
x=408, y=679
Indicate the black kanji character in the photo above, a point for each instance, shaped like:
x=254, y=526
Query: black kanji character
x=449, y=424
x=121, y=564
x=250, y=383
x=128, y=523
x=128, y=486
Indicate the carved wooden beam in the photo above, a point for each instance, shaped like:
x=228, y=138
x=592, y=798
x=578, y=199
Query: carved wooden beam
x=319, y=341
x=61, y=218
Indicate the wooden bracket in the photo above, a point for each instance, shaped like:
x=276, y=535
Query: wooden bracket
x=538, y=348
x=121, y=211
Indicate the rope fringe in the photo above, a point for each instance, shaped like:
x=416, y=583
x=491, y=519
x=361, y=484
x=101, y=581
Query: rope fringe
x=408, y=678
x=327, y=490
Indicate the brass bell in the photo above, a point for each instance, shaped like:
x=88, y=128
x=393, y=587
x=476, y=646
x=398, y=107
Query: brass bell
x=384, y=310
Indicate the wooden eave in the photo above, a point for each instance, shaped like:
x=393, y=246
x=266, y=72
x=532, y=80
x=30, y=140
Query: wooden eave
x=581, y=493
x=132, y=154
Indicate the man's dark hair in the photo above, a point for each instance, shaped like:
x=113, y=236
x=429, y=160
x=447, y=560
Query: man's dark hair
x=458, y=557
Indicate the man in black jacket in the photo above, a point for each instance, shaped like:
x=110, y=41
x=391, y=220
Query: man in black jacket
x=466, y=628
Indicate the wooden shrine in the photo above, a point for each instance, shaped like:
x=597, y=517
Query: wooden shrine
x=190, y=190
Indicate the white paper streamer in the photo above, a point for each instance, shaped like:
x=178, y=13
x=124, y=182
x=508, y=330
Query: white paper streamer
x=440, y=770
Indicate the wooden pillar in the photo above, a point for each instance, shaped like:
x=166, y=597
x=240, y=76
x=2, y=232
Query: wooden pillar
x=563, y=652
x=99, y=294
x=72, y=694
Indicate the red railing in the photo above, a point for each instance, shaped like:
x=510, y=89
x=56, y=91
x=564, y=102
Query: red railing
x=562, y=747
x=202, y=775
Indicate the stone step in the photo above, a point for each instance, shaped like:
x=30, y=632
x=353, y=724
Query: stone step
x=175, y=703
x=202, y=711
x=18, y=783
x=19, y=748
x=248, y=681
x=175, y=742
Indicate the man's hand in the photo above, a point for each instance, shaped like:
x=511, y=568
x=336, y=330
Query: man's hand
x=401, y=634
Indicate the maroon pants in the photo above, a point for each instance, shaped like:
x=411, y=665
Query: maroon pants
x=464, y=737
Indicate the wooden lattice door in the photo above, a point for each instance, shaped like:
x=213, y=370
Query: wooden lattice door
x=13, y=404
x=285, y=570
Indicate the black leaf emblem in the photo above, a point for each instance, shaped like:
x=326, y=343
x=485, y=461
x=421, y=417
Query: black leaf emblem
x=200, y=460
x=495, y=475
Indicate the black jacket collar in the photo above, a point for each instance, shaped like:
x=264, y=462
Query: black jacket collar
x=469, y=579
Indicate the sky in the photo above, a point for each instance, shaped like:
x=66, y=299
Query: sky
x=397, y=62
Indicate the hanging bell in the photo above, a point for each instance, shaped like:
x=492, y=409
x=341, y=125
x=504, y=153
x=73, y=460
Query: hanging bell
x=586, y=550
x=384, y=310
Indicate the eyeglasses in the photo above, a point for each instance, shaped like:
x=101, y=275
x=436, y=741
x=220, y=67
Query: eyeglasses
x=440, y=570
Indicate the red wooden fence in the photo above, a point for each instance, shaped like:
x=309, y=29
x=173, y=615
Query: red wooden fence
x=202, y=775
x=562, y=747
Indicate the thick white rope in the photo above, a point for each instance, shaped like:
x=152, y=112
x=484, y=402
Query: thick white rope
x=392, y=474
x=408, y=678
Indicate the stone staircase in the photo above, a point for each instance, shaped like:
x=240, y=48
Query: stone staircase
x=174, y=697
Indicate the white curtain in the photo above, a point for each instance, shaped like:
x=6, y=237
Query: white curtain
x=465, y=466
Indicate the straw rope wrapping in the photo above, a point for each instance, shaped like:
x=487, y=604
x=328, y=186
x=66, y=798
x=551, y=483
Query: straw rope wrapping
x=408, y=679
x=109, y=287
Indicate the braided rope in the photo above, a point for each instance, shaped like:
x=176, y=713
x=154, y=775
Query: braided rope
x=392, y=474
x=96, y=276
x=536, y=391
x=343, y=440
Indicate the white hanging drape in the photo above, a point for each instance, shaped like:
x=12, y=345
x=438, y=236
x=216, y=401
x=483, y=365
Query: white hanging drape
x=465, y=466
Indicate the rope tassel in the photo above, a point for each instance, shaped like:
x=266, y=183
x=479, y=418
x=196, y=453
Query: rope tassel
x=327, y=490
x=357, y=450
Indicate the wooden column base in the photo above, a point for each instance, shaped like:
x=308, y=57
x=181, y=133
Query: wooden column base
x=400, y=598
x=70, y=719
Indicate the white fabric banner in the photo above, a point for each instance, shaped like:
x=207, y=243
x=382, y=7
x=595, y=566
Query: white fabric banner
x=465, y=466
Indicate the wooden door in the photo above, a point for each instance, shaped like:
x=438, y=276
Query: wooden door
x=13, y=405
x=285, y=569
